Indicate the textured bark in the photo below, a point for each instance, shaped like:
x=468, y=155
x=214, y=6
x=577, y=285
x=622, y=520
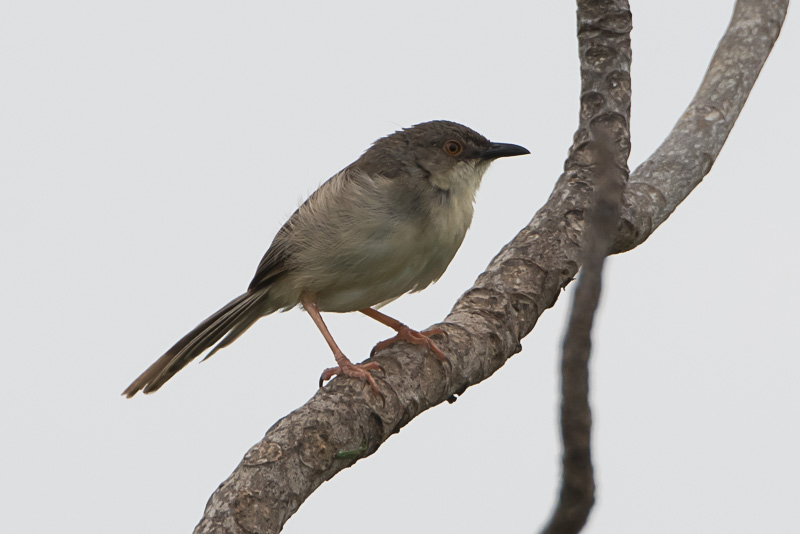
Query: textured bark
x=344, y=421
x=667, y=177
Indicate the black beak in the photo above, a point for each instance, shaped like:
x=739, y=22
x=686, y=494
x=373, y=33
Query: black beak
x=503, y=150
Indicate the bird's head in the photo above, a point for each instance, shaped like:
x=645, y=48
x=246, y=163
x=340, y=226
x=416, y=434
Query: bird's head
x=449, y=154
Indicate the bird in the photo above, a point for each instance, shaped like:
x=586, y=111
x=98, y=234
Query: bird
x=386, y=225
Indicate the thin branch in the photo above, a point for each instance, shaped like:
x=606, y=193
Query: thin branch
x=576, y=497
x=344, y=422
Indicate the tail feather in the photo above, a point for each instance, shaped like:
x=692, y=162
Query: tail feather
x=232, y=319
x=233, y=334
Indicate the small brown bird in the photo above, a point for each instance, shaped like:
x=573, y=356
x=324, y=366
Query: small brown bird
x=386, y=225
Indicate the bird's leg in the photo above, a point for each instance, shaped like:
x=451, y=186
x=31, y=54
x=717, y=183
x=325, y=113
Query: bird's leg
x=404, y=333
x=344, y=365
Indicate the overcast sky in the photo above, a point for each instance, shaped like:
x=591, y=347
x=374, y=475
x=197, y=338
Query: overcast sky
x=150, y=150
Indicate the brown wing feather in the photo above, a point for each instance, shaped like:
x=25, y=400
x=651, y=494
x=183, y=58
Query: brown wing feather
x=274, y=262
x=277, y=258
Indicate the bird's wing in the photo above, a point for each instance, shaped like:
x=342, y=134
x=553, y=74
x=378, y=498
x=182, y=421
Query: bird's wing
x=274, y=262
x=316, y=208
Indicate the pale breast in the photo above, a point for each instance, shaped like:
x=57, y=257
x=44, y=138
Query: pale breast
x=408, y=257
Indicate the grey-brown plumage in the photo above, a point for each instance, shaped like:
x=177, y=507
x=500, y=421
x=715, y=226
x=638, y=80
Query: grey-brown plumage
x=388, y=224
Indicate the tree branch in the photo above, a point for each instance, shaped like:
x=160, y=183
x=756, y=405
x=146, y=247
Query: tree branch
x=576, y=497
x=344, y=421
x=684, y=158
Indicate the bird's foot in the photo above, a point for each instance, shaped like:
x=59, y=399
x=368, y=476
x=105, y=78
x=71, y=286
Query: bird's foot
x=408, y=335
x=353, y=370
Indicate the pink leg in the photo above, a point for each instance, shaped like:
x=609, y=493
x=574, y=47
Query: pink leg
x=344, y=365
x=404, y=333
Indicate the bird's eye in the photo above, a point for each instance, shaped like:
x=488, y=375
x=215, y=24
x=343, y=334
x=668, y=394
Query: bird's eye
x=453, y=147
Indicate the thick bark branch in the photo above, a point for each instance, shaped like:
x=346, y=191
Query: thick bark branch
x=344, y=421
x=684, y=158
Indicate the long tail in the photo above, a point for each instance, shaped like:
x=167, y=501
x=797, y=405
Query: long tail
x=233, y=319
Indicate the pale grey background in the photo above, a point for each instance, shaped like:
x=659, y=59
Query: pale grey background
x=150, y=150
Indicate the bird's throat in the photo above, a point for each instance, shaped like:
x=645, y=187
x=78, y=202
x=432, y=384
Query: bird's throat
x=462, y=177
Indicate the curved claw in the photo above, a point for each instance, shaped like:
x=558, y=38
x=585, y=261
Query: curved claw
x=357, y=370
x=415, y=338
